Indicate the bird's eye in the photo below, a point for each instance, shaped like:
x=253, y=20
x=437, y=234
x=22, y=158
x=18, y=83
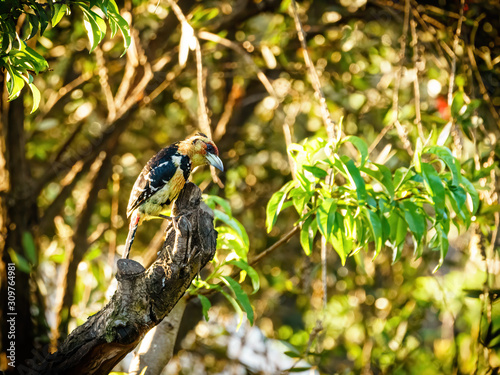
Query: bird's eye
x=211, y=148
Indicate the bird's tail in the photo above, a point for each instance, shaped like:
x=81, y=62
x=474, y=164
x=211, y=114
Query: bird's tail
x=134, y=223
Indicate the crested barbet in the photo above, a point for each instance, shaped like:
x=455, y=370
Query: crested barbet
x=164, y=176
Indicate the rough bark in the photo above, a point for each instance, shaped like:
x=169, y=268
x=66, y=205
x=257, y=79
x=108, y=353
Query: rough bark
x=143, y=297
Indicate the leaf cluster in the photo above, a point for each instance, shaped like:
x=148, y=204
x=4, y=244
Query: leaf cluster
x=22, y=62
x=355, y=203
x=233, y=246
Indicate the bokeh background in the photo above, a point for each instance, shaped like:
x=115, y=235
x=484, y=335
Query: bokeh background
x=103, y=115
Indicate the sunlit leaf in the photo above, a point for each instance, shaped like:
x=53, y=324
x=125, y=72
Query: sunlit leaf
x=469, y=188
x=29, y=247
x=325, y=214
x=360, y=145
x=355, y=178
x=235, y=225
x=59, y=11
x=275, y=204
x=434, y=186
x=376, y=226
x=317, y=172
x=307, y=234
x=21, y=263
x=415, y=218
x=451, y=162
x=241, y=296
x=205, y=305
x=254, y=276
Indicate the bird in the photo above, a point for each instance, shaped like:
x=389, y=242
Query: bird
x=164, y=176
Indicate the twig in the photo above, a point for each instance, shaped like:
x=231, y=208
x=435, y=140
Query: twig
x=234, y=94
x=482, y=88
x=323, y=272
x=416, y=86
x=59, y=94
x=130, y=70
x=104, y=81
x=456, y=132
x=163, y=85
x=67, y=143
x=205, y=35
x=288, y=122
x=331, y=129
x=204, y=120
x=395, y=96
x=263, y=79
x=114, y=219
x=274, y=246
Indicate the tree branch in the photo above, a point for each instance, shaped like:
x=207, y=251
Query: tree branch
x=143, y=297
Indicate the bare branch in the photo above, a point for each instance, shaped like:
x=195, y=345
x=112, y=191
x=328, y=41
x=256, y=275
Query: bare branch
x=333, y=133
x=234, y=94
x=471, y=48
x=416, y=83
x=238, y=49
x=104, y=81
x=457, y=140
x=157, y=347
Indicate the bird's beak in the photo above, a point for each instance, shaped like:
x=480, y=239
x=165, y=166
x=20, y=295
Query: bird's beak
x=215, y=161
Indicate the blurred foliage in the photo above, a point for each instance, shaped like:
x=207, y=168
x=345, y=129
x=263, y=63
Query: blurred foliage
x=380, y=316
x=19, y=60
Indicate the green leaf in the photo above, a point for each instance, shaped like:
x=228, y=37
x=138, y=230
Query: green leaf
x=316, y=171
x=119, y=21
x=337, y=237
x=15, y=82
x=415, y=218
x=275, y=204
x=212, y=200
x=33, y=23
x=469, y=188
x=307, y=234
x=435, y=187
x=458, y=196
x=241, y=297
x=59, y=12
x=457, y=103
x=20, y=262
x=451, y=162
x=398, y=228
x=254, y=276
x=95, y=26
x=299, y=198
x=383, y=175
x=205, y=305
x=355, y=179
x=229, y=239
x=325, y=216
x=360, y=145
x=36, y=97
x=443, y=243
x=235, y=305
x=235, y=225
x=376, y=226
x=417, y=157
x=29, y=247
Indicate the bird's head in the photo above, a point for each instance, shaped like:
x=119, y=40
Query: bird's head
x=202, y=150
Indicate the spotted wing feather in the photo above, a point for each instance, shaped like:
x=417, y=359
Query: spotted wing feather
x=158, y=171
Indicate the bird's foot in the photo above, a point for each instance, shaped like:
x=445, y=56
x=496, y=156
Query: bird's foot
x=173, y=219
